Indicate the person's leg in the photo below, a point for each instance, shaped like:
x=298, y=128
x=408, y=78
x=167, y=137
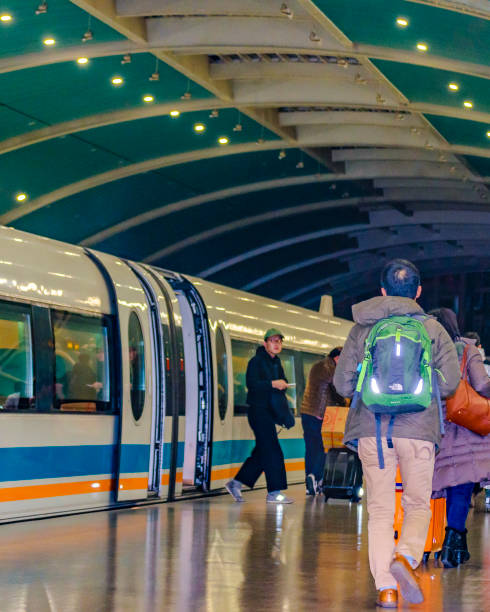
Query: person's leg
x=380, y=491
x=416, y=460
x=252, y=468
x=270, y=454
x=308, y=436
x=314, y=450
x=458, y=504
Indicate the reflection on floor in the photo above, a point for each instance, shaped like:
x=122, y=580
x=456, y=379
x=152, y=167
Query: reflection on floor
x=217, y=555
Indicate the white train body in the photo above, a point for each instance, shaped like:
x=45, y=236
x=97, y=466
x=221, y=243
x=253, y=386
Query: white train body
x=125, y=383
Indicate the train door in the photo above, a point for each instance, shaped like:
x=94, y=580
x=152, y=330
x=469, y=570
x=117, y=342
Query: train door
x=199, y=392
x=135, y=322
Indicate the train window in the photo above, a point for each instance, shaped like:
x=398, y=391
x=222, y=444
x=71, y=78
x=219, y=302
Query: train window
x=82, y=369
x=242, y=352
x=287, y=360
x=16, y=364
x=222, y=372
x=136, y=365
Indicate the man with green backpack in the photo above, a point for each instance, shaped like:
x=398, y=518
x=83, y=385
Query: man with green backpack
x=396, y=364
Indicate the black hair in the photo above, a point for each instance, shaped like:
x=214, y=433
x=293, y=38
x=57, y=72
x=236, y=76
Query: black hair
x=447, y=318
x=335, y=352
x=400, y=277
x=473, y=336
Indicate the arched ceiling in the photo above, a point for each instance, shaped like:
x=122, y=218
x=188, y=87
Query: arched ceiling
x=355, y=132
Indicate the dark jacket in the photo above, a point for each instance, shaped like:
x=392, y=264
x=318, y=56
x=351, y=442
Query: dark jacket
x=464, y=455
x=416, y=425
x=261, y=371
x=320, y=392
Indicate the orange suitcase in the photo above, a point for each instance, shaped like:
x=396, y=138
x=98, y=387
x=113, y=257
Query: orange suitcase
x=333, y=426
x=436, y=533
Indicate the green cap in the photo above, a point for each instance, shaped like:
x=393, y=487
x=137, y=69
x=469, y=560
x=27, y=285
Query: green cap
x=273, y=332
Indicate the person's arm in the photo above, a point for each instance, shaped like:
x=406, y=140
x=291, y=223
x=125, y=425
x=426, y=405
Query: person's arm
x=254, y=381
x=345, y=377
x=477, y=374
x=445, y=362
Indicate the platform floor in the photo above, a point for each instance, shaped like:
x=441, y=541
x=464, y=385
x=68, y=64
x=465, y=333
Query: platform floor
x=216, y=555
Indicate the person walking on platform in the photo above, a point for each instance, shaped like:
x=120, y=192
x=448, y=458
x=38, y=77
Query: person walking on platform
x=319, y=394
x=464, y=457
x=418, y=346
x=264, y=374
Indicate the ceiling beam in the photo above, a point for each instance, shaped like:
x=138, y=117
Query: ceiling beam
x=475, y=8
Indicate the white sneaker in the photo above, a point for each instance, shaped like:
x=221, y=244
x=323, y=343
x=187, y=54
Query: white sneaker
x=276, y=497
x=234, y=488
x=311, y=485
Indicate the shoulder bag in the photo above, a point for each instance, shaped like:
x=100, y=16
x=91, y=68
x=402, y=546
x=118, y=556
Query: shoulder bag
x=466, y=407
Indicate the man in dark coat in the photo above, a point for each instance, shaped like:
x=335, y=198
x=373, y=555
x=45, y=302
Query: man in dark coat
x=264, y=375
x=319, y=394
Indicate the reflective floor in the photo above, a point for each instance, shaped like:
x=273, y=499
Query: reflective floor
x=213, y=554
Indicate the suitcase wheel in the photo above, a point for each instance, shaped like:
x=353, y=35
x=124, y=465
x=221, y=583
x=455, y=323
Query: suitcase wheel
x=426, y=556
x=437, y=555
x=326, y=498
x=355, y=499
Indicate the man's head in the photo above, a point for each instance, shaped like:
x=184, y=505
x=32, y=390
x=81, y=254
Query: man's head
x=401, y=277
x=335, y=353
x=273, y=341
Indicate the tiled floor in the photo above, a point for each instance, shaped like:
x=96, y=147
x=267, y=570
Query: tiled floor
x=216, y=555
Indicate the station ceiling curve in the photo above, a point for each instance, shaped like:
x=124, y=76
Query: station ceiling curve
x=287, y=148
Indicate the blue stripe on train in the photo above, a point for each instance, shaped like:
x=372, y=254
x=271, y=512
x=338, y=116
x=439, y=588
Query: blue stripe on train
x=236, y=451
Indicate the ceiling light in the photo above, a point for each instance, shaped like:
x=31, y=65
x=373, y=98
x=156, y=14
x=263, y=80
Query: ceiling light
x=223, y=140
x=213, y=114
x=49, y=41
x=468, y=104
x=148, y=98
x=402, y=22
x=42, y=8
x=117, y=80
x=126, y=59
x=422, y=47
x=5, y=17
x=453, y=86
x=89, y=35
x=174, y=113
x=488, y=134
x=20, y=197
x=285, y=10
x=199, y=128
x=314, y=37
x=82, y=60
x=282, y=154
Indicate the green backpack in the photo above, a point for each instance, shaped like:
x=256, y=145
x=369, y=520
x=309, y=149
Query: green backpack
x=396, y=374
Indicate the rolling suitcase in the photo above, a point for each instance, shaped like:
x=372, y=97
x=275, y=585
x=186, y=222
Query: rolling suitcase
x=342, y=478
x=436, y=533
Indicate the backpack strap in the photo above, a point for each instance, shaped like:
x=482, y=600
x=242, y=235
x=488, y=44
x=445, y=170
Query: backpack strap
x=389, y=433
x=379, y=445
x=437, y=393
x=464, y=363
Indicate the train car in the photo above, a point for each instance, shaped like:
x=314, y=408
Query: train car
x=123, y=383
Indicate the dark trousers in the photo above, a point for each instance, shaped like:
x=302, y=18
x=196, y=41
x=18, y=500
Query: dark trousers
x=266, y=456
x=458, y=504
x=314, y=451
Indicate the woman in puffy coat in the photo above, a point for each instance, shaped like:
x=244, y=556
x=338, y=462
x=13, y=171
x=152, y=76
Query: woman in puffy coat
x=464, y=457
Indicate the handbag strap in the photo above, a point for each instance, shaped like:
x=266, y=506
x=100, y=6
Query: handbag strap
x=464, y=363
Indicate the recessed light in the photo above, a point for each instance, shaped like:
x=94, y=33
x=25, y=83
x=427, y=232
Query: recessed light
x=148, y=98
x=116, y=81
x=82, y=60
x=20, y=197
x=468, y=104
x=453, y=86
x=49, y=42
x=223, y=140
x=199, y=127
x=422, y=46
x=5, y=18
x=174, y=113
x=488, y=134
x=402, y=22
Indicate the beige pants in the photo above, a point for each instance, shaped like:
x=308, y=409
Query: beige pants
x=416, y=460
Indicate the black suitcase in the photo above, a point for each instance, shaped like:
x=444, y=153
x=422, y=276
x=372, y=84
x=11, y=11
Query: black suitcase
x=342, y=477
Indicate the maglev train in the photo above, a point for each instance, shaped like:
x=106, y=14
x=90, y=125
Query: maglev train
x=123, y=383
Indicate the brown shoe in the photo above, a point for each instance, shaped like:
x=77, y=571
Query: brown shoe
x=403, y=572
x=388, y=598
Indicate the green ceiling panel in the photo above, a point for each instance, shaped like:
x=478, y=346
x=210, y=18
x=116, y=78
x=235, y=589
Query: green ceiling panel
x=64, y=22
x=104, y=206
x=480, y=164
x=13, y=123
x=429, y=85
x=44, y=167
x=149, y=138
x=447, y=33
x=462, y=131
x=66, y=91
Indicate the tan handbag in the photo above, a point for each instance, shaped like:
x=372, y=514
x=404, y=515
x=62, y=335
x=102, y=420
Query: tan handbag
x=467, y=407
